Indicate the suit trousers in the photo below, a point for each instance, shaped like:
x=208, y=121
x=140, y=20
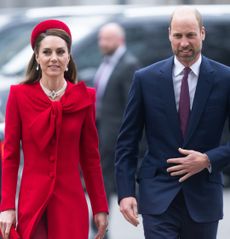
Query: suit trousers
x=176, y=223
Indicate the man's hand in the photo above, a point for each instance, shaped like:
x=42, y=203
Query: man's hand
x=101, y=221
x=128, y=207
x=193, y=162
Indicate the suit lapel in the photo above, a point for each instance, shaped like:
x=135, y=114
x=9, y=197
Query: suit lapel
x=204, y=86
x=168, y=95
x=115, y=74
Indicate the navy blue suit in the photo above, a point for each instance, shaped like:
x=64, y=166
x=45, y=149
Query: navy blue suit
x=151, y=107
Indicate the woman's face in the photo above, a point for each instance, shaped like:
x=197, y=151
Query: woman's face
x=53, y=56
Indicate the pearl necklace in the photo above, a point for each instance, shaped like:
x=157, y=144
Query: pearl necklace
x=52, y=93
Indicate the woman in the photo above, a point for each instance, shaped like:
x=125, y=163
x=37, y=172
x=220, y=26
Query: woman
x=54, y=120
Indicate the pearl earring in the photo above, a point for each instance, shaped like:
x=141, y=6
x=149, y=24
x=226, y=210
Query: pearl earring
x=37, y=67
x=66, y=69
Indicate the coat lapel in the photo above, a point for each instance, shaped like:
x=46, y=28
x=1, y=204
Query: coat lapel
x=168, y=96
x=203, y=89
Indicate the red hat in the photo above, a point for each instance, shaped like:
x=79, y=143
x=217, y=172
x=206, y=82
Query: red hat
x=46, y=25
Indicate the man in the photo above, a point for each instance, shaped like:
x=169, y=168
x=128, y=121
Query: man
x=183, y=113
x=112, y=82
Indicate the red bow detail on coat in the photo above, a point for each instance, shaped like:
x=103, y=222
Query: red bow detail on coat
x=47, y=123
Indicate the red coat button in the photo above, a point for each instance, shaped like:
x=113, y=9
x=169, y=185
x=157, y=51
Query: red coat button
x=52, y=158
x=53, y=142
x=51, y=175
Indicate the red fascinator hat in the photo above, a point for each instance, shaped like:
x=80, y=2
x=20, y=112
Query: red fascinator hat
x=46, y=25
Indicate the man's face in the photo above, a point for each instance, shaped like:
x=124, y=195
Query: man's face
x=186, y=38
x=108, y=42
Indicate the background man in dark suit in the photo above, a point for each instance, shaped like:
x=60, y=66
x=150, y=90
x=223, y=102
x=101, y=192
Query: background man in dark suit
x=182, y=102
x=112, y=82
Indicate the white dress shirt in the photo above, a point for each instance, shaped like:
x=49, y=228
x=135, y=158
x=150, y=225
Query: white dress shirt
x=177, y=75
x=105, y=70
x=193, y=76
x=103, y=74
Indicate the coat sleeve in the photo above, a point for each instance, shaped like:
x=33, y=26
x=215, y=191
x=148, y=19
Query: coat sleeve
x=11, y=156
x=126, y=76
x=219, y=156
x=90, y=162
x=126, y=156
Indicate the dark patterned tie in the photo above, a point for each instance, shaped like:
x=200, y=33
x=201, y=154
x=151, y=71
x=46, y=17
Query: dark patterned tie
x=184, y=102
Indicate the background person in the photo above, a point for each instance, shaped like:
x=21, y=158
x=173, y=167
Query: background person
x=112, y=82
x=53, y=117
x=180, y=185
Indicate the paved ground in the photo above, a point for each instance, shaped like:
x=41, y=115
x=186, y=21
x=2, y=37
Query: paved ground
x=120, y=229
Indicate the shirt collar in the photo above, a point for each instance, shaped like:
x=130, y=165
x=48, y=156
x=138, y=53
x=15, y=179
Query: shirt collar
x=178, y=67
x=116, y=55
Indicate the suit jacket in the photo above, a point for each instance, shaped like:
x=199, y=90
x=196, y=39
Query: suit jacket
x=112, y=109
x=57, y=138
x=152, y=105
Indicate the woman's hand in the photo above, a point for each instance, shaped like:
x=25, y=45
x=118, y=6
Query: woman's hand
x=101, y=221
x=7, y=219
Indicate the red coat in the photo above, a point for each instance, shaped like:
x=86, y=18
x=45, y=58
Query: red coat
x=57, y=139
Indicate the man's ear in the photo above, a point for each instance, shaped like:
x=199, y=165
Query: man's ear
x=203, y=32
x=169, y=34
